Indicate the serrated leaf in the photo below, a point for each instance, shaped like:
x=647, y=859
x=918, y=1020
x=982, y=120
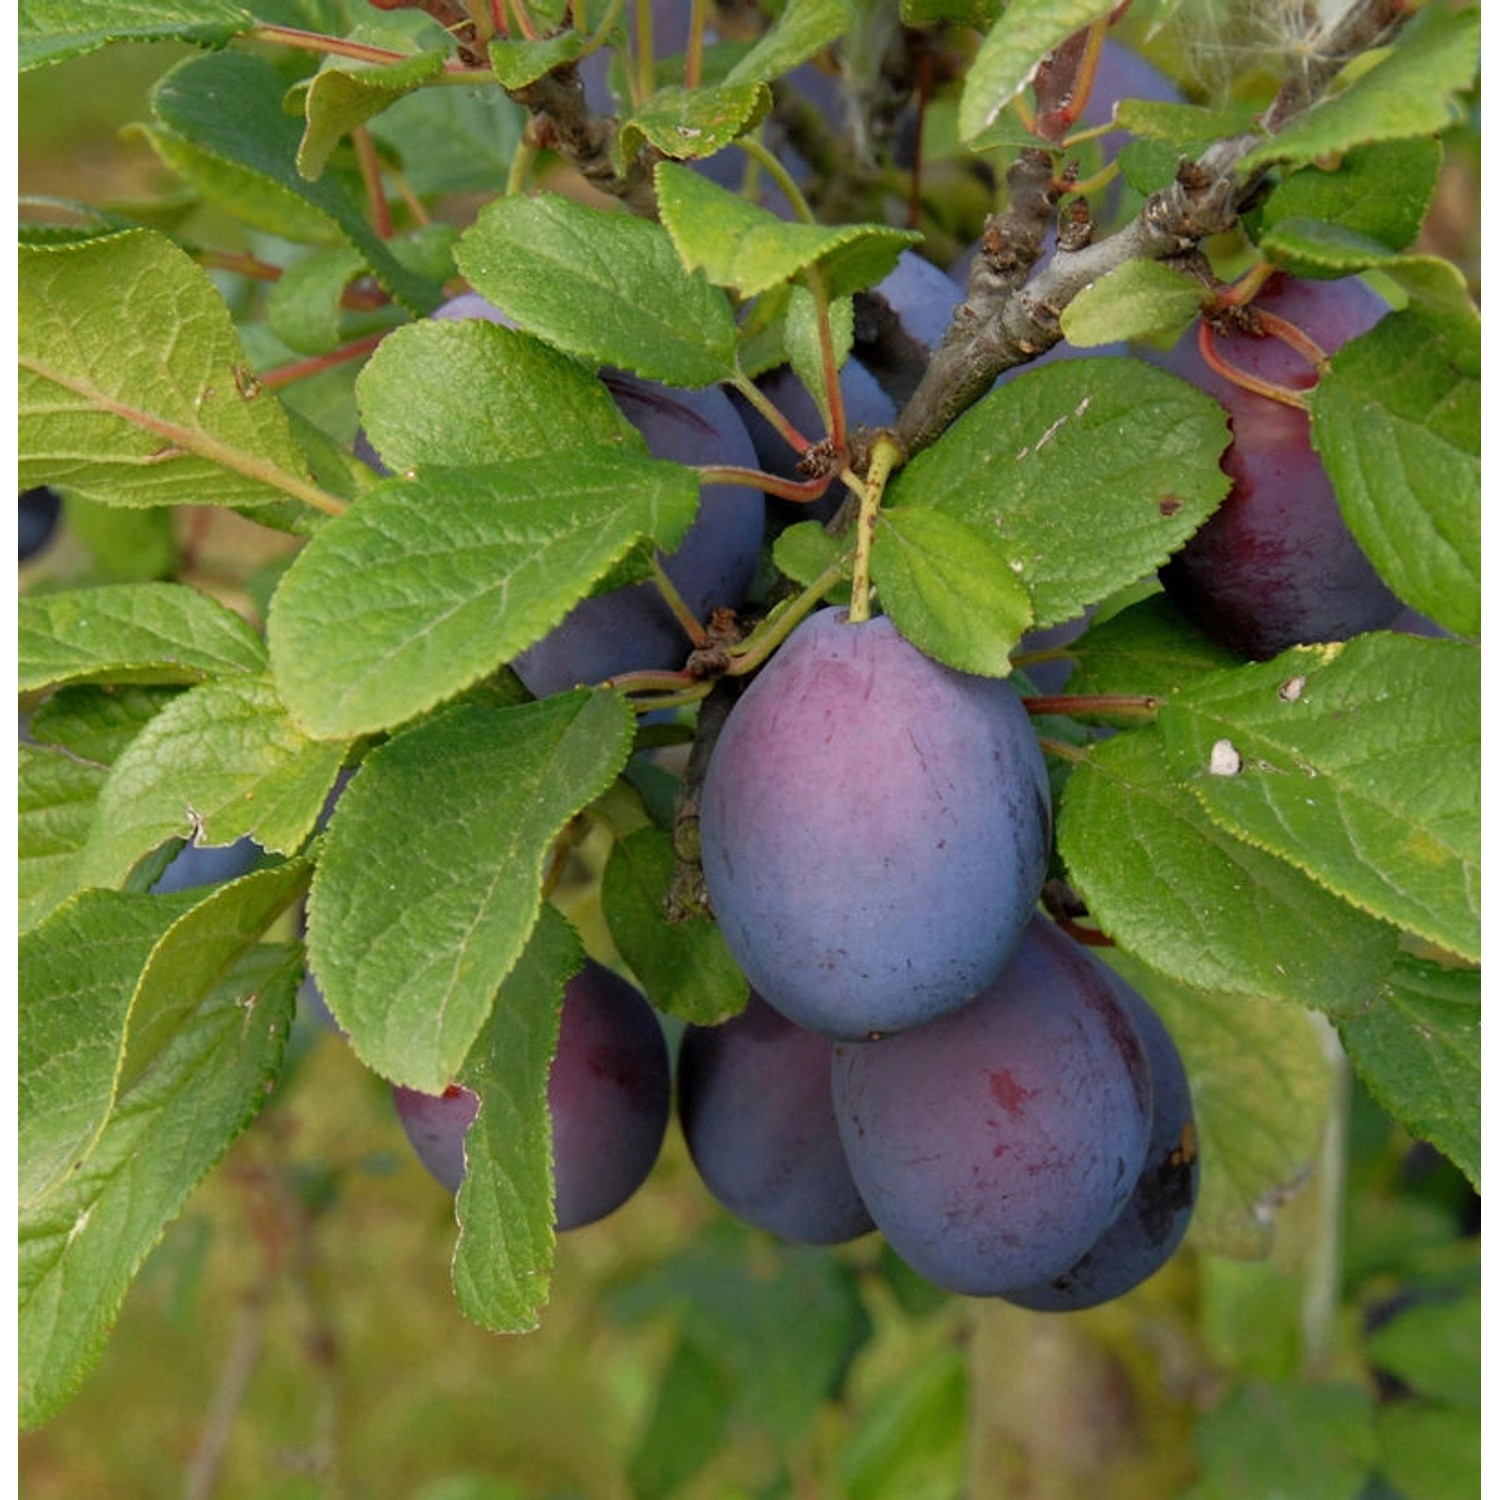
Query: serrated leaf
x=1198, y=905
x=605, y=286
x=220, y=763
x=741, y=245
x=1409, y=93
x=519, y=62
x=1261, y=1088
x=96, y=723
x=1417, y=1048
x=951, y=587
x=52, y=30
x=803, y=28
x=452, y=140
x=303, y=306
x=468, y=391
x=340, y=99
x=503, y=1263
x=1008, y=56
x=195, y=952
x=430, y=878
x=804, y=340
x=130, y=632
x=684, y=967
x=1141, y=298
x=77, y=974
x=1378, y=193
x=1358, y=763
x=1149, y=648
x=221, y=124
x=429, y=583
x=82, y=1245
x=1090, y=471
x=55, y=801
x=805, y=551
x=134, y=389
x=690, y=123
x=1396, y=420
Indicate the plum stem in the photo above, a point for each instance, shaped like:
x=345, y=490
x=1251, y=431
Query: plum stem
x=1120, y=705
x=300, y=369
x=677, y=604
x=783, y=489
x=771, y=412
x=781, y=622
x=773, y=167
x=368, y=157
x=1294, y=338
x=692, y=75
x=1243, y=378
x=883, y=460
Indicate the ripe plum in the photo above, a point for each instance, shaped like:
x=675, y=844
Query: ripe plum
x=994, y=1146
x=1275, y=565
x=40, y=510
x=757, y=1113
x=875, y=829
x=1151, y=1225
x=608, y=1093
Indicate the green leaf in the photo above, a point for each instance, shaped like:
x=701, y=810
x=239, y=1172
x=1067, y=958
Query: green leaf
x=805, y=551
x=134, y=389
x=130, y=632
x=52, y=30
x=1261, y=1089
x=430, y=583
x=1199, y=905
x=452, y=140
x=342, y=98
x=517, y=63
x=221, y=930
x=1141, y=298
x=503, y=1262
x=128, y=546
x=741, y=245
x=1417, y=1048
x=605, y=286
x=1090, y=471
x=1358, y=763
x=803, y=28
x=913, y=1432
x=1377, y=193
x=1430, y=1452
x=81, y=1246
x=1409, y=93
x=55, y=801
x=690, y=123
x=77, y=975
x=804, y=339
x=689, y=1419
x=683, y=966
x=303, y=306
x=1396, y=421
x=1148, y=648
x=430, y=878
x=1433, y=1348
x=222, y=126
x=220, y=763
x=470, y=392
x=1008, y=56
x=951, y=587
x=1291, y=1438
x=96, y=723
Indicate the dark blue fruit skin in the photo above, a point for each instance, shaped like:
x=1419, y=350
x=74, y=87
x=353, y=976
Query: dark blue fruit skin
x=608, y=1093
x=756, y=1110
x=875, y=829
x=1275, y=566
x=1152, y=1224
x=631, y=629
x=195, y=866
x=994, y=1146
x=40, y=510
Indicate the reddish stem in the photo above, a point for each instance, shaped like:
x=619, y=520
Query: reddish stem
x=1135, y=705
x=299, y=370
x=1243, y=378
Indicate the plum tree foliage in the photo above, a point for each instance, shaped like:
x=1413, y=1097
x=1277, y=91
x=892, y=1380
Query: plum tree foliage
x=894, y=664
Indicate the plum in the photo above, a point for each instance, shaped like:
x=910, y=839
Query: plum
x=1151, y=1225
x=875, y=829
x=40, y=511
x=1275, y=565
x=608, y=1094
x=995, y=1145
x=754, y=1100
